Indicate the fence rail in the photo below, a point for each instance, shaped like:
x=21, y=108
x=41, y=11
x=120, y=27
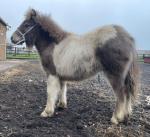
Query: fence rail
x=17, y=53
x=21, y=54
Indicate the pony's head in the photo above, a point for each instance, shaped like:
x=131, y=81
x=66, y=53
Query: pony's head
x=25, y=32
x=37, y=26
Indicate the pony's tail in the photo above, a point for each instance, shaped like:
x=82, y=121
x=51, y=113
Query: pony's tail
x=132, y=79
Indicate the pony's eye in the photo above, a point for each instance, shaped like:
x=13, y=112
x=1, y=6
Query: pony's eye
x=27, y=25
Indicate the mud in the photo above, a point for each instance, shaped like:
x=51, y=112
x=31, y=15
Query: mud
x=90, y=107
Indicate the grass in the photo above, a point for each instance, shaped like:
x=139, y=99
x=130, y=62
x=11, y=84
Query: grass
x=22, y=56
x=36, y=56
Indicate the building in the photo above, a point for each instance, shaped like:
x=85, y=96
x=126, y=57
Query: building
x=3, y=29
x=144, y=55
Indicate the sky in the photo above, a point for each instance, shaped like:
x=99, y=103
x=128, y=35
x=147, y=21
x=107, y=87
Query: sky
x=81, y=16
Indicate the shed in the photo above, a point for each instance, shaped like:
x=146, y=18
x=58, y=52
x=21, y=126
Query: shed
x=3, y=29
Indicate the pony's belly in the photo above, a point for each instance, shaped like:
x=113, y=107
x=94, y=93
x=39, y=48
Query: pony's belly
x=76, y=77
x=79, y=72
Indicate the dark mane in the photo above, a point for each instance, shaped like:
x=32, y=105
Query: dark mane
x=48, y=25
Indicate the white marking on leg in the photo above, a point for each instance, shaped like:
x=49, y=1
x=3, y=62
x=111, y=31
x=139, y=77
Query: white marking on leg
x=53, y=88
x=119, y=114
x=63, y=96
x=114, y=119
x=129, y=107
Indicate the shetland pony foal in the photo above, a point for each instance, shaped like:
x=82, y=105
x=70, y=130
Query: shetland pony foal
x=70, y=57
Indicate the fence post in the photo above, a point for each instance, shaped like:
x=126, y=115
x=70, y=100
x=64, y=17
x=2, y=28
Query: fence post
x=143, y=56
x=28, y=52
x=15, y=51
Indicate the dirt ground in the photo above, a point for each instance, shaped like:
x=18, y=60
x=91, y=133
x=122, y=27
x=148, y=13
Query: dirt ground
x=9, y=64
x=90, y=107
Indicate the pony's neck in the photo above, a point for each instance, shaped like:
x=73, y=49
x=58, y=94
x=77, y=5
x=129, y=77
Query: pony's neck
x=42, y=41
x=45, y=41
x=45, y=45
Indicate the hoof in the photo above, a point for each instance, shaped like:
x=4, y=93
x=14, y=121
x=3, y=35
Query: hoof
x=127, y=118
x=114, y=121
x=62, y=105
x=46, y=114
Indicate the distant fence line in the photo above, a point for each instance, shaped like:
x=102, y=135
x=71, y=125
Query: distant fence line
x=18, y=53
x=144, y=58
x=32, y=54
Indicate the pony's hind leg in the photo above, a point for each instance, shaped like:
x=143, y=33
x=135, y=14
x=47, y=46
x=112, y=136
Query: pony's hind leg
x=62, y=102
x=120, y=109
x=129, y=89
x=117, y=80
x=53, y=88
x=121, y=87
x=128, y=111
x=123, y=107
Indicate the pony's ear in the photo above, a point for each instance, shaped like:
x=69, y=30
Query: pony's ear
x=33, y=13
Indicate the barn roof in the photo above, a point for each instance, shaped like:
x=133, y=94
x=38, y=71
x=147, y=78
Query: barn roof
x=3, y=22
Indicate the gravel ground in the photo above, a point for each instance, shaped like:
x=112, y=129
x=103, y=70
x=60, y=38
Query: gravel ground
x=90, y=106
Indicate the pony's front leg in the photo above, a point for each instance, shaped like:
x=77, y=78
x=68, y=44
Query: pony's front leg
x=63, y=96
x=53, y=88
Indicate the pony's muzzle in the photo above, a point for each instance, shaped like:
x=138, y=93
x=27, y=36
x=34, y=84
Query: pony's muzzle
x=16, y=39
x=12, y=39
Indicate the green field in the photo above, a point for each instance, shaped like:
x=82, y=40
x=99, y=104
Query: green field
x=22, y=56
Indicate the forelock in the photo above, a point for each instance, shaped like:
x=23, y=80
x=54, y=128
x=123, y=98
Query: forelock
x=30, y=13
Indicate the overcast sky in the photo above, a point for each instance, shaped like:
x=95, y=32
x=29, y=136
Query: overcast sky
x=81, y=16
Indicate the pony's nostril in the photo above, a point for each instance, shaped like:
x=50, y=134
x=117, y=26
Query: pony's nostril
x=11, y=39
